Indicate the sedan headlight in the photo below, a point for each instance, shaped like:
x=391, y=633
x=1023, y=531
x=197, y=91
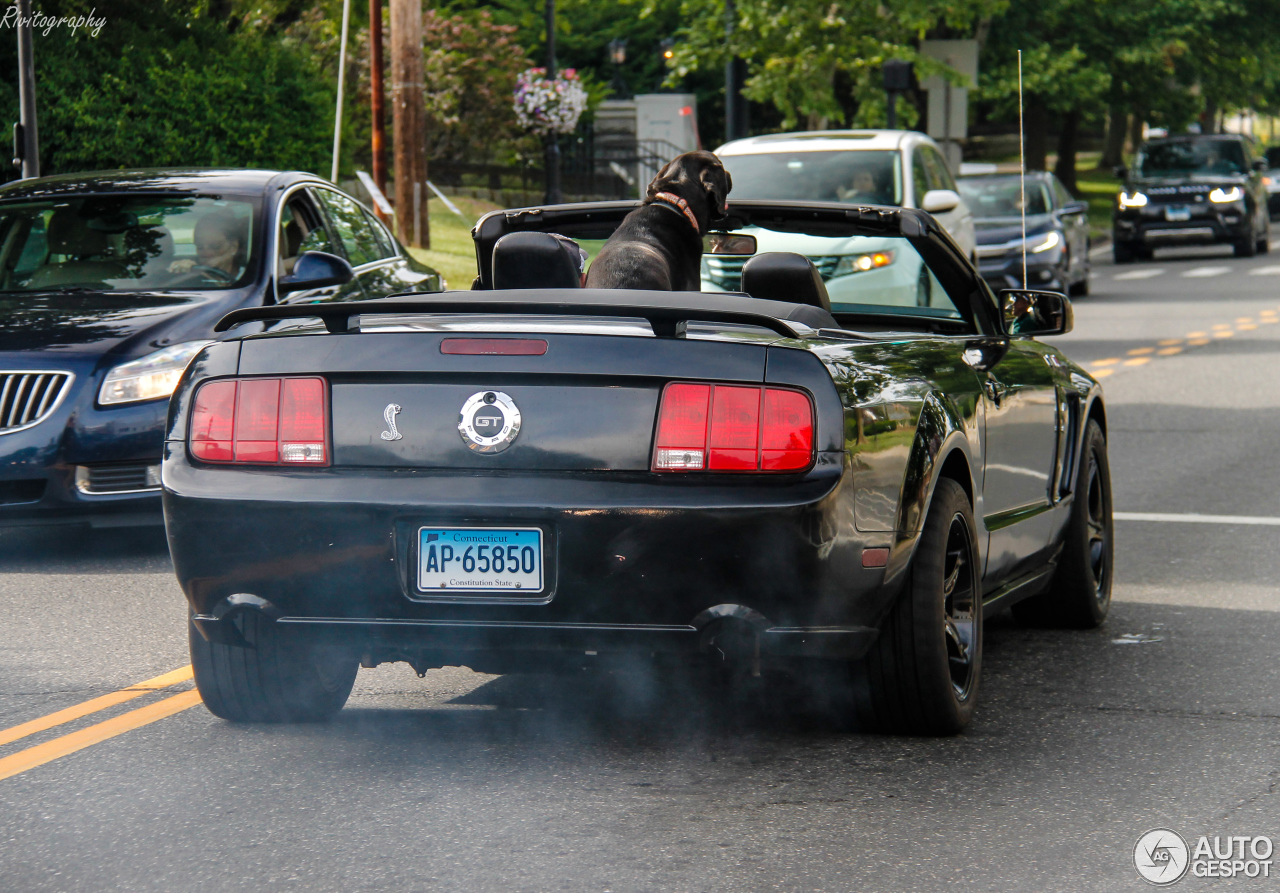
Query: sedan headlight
x=1222, y=196
x=861, y=263
x=150, y=377
x=1044, y=242
x=1136, y=200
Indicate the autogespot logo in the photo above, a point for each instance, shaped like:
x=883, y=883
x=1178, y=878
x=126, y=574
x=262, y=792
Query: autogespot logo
x=1161, y=857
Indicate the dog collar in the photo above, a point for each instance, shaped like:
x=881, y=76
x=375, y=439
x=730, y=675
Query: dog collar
x=681, y=205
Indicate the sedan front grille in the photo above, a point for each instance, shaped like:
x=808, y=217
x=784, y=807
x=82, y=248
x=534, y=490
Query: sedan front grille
x=28, y=398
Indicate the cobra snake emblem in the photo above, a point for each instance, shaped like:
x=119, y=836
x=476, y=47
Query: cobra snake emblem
x=389, y=414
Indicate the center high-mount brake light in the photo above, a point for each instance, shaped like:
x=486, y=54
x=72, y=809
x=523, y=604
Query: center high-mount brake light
x=705, y=427
x=261, y=421
x=497, y=347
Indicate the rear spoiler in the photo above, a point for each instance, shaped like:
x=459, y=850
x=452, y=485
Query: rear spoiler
x=667, y=313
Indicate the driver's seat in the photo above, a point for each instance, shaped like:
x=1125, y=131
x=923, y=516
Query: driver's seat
x=785, y=276
x=69, y=236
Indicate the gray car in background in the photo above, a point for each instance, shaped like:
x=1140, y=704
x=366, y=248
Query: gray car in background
x=1053, y=250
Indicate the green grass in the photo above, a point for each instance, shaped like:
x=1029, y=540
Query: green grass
x=452, y=253
x=1099, y=189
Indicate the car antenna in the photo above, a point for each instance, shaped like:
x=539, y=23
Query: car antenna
x=1022, y=176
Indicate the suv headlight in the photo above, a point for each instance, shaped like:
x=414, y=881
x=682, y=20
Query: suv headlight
x=150, y=377
x=1221, y=196
x=1136, y=200
x=1043, y=242
x=861, y=263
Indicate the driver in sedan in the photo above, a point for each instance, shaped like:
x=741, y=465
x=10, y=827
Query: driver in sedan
x=219, y=247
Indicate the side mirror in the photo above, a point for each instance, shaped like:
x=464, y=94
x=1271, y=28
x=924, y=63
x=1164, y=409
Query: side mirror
x=1027, y=312
x=316, y=269
x=1260, y=164
x=728, y=243
x=1075, y=208
x=1121, y=171
x=936, y=201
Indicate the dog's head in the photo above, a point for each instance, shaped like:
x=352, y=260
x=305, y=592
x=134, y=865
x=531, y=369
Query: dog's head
x=701, y=180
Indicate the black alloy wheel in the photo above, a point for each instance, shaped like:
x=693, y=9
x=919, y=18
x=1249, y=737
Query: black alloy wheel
x=1079, y=596
x=921, y=675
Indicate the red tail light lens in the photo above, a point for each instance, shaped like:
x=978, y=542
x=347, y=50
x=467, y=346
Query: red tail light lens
x=704, y=427
x=498, y=347
x=268, y=421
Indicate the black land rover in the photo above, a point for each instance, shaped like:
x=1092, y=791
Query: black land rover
x=1191, y=190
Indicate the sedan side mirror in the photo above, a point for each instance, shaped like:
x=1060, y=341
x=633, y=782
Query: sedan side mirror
x=1260, y=164
x=1075, y=208
x=1028, y=312
x=936, y=201
x=316, y=269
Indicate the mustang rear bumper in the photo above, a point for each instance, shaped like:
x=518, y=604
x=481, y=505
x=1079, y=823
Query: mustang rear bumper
x=631, y=564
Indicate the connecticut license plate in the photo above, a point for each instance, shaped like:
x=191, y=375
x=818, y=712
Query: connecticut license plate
x=493, y=559
x=1177, y=212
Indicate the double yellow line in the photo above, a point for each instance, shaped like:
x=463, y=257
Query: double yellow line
x=1140, y=356
x=86, y=737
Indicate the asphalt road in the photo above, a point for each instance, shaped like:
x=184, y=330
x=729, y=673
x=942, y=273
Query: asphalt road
x=1166, y=717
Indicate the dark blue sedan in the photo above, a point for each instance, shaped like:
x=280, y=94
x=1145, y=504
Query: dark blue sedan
x=111, y=282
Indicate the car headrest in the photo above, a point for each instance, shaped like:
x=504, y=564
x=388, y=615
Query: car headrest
x=69, y=235
x=785, y=276
x=537, y=260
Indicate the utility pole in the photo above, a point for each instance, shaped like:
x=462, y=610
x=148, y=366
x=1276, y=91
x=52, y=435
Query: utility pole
x=375, y=95
x=408, y=112
x=554, y=196
x=26, y=143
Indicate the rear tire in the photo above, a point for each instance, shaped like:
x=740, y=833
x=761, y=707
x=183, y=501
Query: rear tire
x=282, y=676
x=1079, y=596
x=921, y=675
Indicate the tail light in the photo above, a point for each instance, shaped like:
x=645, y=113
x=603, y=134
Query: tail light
x=705, y=427
x=264, y=421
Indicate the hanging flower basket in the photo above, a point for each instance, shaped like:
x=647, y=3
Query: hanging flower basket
x=549, y=105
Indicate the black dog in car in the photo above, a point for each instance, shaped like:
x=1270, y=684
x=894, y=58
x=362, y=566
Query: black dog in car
x=659, y=244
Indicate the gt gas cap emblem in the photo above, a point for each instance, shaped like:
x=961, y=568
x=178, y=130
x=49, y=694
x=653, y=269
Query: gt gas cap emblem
x=489, y=422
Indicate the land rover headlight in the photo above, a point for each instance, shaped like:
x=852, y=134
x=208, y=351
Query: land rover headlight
x=1134, y=200
x=1221, y=196
x=148, y=378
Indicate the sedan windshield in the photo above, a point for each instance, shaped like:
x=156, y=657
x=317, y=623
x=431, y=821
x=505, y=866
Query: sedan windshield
x=1189, y=157
x=993, y=197
x=868, y=177
x=127, y=243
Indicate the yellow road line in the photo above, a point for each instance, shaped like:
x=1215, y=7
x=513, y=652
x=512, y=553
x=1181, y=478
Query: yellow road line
x=1226, y=334
x=1139, y=351
x=93, y=706
x=1137, y=361
x=1102, y=373
x=1170, y=342
x=1220, y=326
x=95, y=734
x=1111, y=361
x=1244, y=319
x=1169, y=351
x=1245, y=327
x=1195, y=334
x=1197, y=342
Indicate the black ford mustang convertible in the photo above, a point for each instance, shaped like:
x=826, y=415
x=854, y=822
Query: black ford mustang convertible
x=532, y=475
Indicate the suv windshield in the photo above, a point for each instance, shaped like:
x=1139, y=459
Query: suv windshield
x=1182, y=158
x=1002, y=196
x=868, y=176
x=127, y=243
